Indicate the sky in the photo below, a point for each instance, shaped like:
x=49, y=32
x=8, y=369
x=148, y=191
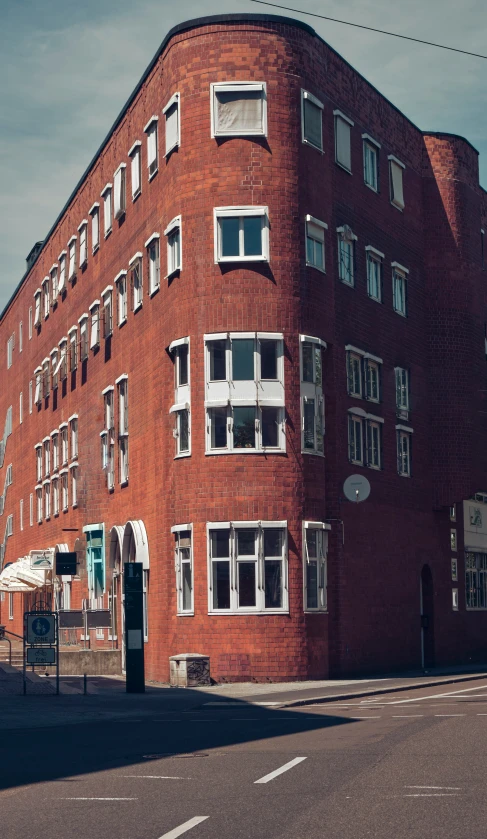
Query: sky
x=68, y=68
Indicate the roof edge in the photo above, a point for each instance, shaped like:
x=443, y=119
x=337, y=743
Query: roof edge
x=453, y=136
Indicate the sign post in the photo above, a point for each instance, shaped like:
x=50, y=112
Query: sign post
x=134, y=627
x=41, y=642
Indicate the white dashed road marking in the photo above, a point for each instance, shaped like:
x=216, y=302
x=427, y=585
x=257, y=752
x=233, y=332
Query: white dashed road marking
x=178, y=831
x=272, y=775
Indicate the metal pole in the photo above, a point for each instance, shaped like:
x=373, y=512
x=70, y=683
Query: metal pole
x=85, y=684
x=57, y=653
x=23, y=659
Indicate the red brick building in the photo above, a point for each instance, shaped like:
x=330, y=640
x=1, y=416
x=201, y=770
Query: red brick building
x=267, y=280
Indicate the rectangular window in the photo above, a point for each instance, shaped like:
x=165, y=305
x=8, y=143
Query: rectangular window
x=476, y=580
x=46, y=297
x=152, y=146
x=119, y=191
x=95, y=324
x=248, y=567
x=238, y=109
x=72, y=258
x=83, y=243
x=107, y=300
x=173, y=123
x=404, y=451
x=107, y=209
x=371, y=162
x=61, y=368
x=37, y=307
x=315, y=242
x=46, y=377
x=396, y=169
x=21, y=408
x=74, y=484
x=21, y=514
x=55, y=450
x=374, y=444
x=372, y=380
x=64, y=490
x=20, y=336
x=47, y=456
x=183, y=560
x=39, y=503
x=355, y=439
x=54, y=285
x=31, y=398
x=10, y=606
x=315, y=543
x=453, y=539
x=153, y=263
x=64, y=443
x=354, y=374
x=182, y=397
x=245, y=392
x=62, y=272
x=55, y=496
x=346, y=255
x=73, y=433
x=174, y=258
x=95, y=226
x=10, y=351
x=47, y=500
x=38, y=451
x=121, y=284
x=38, y=381
x=312, y=398
x=108, y=408
x=343, y=140
x=311, y=120
x=123, y=429
x=83, y=337
x=135, y=169
x=241, y=234
x=399, y=290
x=30, y=323
x=136, y=283
x=31, y=509
x=482, y=248
x=108, y=457
x=73, y=348
x=402, y=391
x=374, y=273
x=95, y=559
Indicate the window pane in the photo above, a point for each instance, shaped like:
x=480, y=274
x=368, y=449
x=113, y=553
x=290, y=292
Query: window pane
x=244, y=428
x=186, y=582
x=221, y=585
x=183, y=364
x=273, y=584
x=252, y=235
x=239, y=111
x=318, y=369
x=220, y=543
x=218, y=371
x=312, y=542
x=268, y=360
x=312, y=585
x=218, y=420
x=270, y=427
x=310, y=250
x=243, y=360
x=229, y=236
x=246, y=584
x=184, y=431
x=307, y=351
x=273, y=542
x=318, y=257
x=312, y=123
x=309, y=423
x=246, y=542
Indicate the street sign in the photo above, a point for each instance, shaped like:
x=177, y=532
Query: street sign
x=66, y=564
x=42, y=560
x=41, y=628
x=134, y=626
x=356, y=488
x=41, y=655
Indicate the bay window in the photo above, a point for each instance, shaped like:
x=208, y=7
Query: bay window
x=183, y=561
x=241, y=234
x=247, y=567
x=315, y=550
x=244, y=392
x=312, y=399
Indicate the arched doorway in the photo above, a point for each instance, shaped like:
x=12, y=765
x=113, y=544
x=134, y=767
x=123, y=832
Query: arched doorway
x=135, y=548
x=115, y=588
x=427, y=606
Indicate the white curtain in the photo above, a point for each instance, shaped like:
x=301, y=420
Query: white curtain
x=172, y=127
x=239, y=111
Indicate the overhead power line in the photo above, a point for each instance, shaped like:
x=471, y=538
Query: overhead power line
x=370, y=29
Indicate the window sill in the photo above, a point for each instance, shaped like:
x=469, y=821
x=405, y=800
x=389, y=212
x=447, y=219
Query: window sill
x=124, y=483
x=121, y=322
x=137, y=307
x=316, y=267
x=402, y=314
x=375, y=299
x=107, y=234
x=403, y=475
x=315, y=611
x=185, y=614
x=153, y=174
x=74, y=506
x=84, y=263
x=66, y=510
x=345, y=282
x=225, y=260
x=136, y=195
x=312, y=146
x=247, y=612
x=168, y=151
x=173, y=273
x=343, y=168
x=95, y=249
x=399, y=207
x=373, y=188
x=183, y=454
x=309, y=451
x=154, y=291
x=246, y=451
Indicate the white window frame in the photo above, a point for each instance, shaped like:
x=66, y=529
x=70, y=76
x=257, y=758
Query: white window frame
x=47, y=500
x=404, y=433
x=135, y=169
x=396, y=182
x=399, y=273
x=62, y=272
x=64, y=449
x=321, y=561
x=10, y=351
x=123, y=429
x=371, y=147
x=372, y=371
x=38, y=385
x=258, y=559
x=236, y=87
x=30, y=323
x=174, y=253
x=21, y=408
x=73, y=348
x=106, y=194
x=241, y=213
x=39, y=450
x=257, y=393
x=21, y=514
x=94, y=213
x=94, y=311
x=137, y=280
x=373, y=453
x=151, y=131
x=37, y=306
x=402, y=392
x=46, y=377
x=343, y=124
x=53, y=274
x=63, y=475
x=73, y=436
x=374, y=259
x=120, y=283
x=55, y=495
x=356, y=438
x=39, y=503
x=46, y=456
x=84, y=344
x=62, y=364
x=72, y=258
x=315, y=232
x=55, y=449
x=73, y=469
x=182, y=395
x=179, y=562
x=153, y=245
x=31, y=509
x=174, y=102
x=46, y=297
x=312, y=392
x=305, y=95
x=107, y=304
x=346, y=242
x=119, y=191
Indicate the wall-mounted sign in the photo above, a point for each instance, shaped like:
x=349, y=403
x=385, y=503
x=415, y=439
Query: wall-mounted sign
x=42, y=560
x=66, y=564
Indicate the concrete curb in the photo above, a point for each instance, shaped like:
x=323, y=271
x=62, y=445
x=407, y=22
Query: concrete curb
x=451, y=680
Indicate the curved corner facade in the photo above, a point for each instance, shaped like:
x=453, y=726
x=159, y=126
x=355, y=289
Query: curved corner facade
x=267, y=282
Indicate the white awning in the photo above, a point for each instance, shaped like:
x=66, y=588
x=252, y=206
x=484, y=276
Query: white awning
x=19, y=576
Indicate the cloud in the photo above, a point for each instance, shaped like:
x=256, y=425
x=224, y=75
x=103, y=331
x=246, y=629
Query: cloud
x=71, y=67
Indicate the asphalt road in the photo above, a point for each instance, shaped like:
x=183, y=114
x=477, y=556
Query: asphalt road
x=409, y=765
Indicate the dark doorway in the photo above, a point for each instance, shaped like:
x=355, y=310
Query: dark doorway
x=427, y=603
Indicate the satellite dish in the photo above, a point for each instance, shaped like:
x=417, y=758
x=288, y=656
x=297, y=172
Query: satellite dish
x=356, y=488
